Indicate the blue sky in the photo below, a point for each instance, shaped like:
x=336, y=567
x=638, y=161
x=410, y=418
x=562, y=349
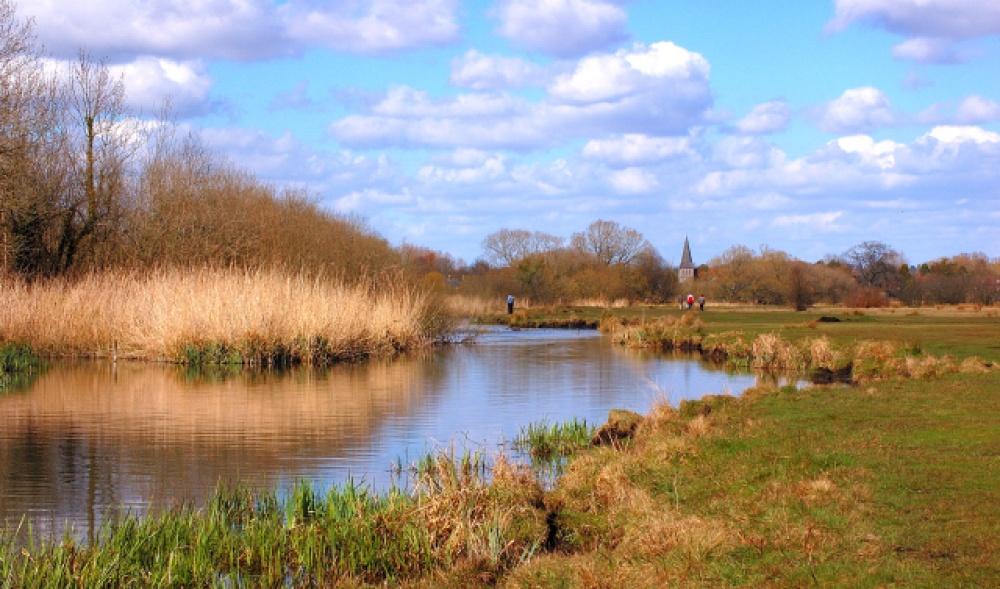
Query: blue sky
x=806, y=126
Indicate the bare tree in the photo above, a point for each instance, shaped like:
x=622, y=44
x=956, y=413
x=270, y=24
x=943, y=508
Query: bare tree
x=506, y=247
x=25, y=109
x=610, y=242
x=874, y=263
x=102, y=139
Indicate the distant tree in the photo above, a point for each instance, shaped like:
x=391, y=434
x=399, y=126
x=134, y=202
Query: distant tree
x=874, y=263
x=610, y=242
x=800, y=286
x=508, y=246
x=732, y=274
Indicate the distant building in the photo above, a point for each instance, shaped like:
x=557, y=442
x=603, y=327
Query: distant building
x=687, y=270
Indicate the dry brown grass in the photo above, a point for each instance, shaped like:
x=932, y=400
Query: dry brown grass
x=157, y=315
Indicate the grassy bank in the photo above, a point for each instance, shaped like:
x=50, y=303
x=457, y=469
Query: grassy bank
x=218, y=316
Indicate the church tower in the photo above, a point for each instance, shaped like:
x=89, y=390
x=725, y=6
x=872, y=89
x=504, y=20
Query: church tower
x=687, y=270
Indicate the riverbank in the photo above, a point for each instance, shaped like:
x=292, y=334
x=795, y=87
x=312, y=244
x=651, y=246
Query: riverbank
x=891, y=483
x=206, y=316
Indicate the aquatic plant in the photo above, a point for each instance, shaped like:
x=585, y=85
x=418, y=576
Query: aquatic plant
x=544, y=441
x=17, y=364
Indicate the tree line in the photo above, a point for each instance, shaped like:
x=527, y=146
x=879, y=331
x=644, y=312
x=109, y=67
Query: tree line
x=86, y=184
x=608, y=261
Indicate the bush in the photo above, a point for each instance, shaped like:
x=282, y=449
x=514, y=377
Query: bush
x=866, y=297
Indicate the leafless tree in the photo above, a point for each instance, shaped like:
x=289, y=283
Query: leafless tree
x=507, y=247
x=610, y=242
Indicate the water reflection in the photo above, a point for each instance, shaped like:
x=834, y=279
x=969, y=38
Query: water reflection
x=88, y=437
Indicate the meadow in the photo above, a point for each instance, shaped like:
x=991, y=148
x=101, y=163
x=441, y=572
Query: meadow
x=892, y=480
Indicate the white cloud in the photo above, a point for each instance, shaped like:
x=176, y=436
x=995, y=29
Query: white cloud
x=811, y=221
x=658, y=90
x=964, y=134
x=234, y=29
x=633, y=181
x=149, y=81
x=466, y=167
x=977, y=109
x=881, y=154
x=493, y=72
x=955, y=19
x=610, y=77
x=565, y=28
x=746, y=152
x=637, y=149
x=856, y=110
x=927, y=50
x=374, y=27
x=769, y=117
x=239, y=29
x=933, y=26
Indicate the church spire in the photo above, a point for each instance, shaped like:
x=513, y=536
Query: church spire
x=686, y=271
x=686, y=261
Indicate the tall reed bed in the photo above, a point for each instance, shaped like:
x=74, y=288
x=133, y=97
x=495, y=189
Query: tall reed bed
x=219, y=316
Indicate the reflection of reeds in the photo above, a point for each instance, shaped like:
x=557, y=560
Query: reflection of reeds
x=218, y=315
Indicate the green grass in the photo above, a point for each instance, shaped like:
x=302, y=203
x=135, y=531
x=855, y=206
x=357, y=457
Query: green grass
x=547, y=442
x=18, y=365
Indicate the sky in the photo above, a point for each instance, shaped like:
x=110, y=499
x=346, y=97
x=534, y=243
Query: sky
x=803, y=126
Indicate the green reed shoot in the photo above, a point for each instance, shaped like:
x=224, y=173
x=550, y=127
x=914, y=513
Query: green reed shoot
x=544, y=441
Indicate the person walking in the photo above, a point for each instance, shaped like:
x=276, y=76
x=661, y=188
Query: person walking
x=701, y=302
x=510, y=304
x=690, y=301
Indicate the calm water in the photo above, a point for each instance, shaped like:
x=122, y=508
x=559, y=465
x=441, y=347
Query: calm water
x=89, y=437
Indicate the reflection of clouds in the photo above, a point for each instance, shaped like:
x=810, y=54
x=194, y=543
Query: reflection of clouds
x=86, y=438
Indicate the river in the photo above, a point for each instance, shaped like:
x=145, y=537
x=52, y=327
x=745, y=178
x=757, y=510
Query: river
x=87, y=438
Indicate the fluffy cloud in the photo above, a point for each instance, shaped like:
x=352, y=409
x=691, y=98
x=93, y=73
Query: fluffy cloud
x=611, y=77
x=637, y=149
x=976, y=109
x=927, y=50
x=660, y=89
x=239, y=29
x=492, y=72
x=233, y=29
x=824, y=222
x=633, y=181
x=565, y=28
x=769, y=117
x=952, y=19
x=374, y=27
x=857, y=110
x=149, y=81
x=933, y=26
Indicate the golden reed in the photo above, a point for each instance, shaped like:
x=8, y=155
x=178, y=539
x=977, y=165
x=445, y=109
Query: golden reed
x=165, y=314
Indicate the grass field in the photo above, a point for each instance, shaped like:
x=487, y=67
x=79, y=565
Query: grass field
x=892, y=483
